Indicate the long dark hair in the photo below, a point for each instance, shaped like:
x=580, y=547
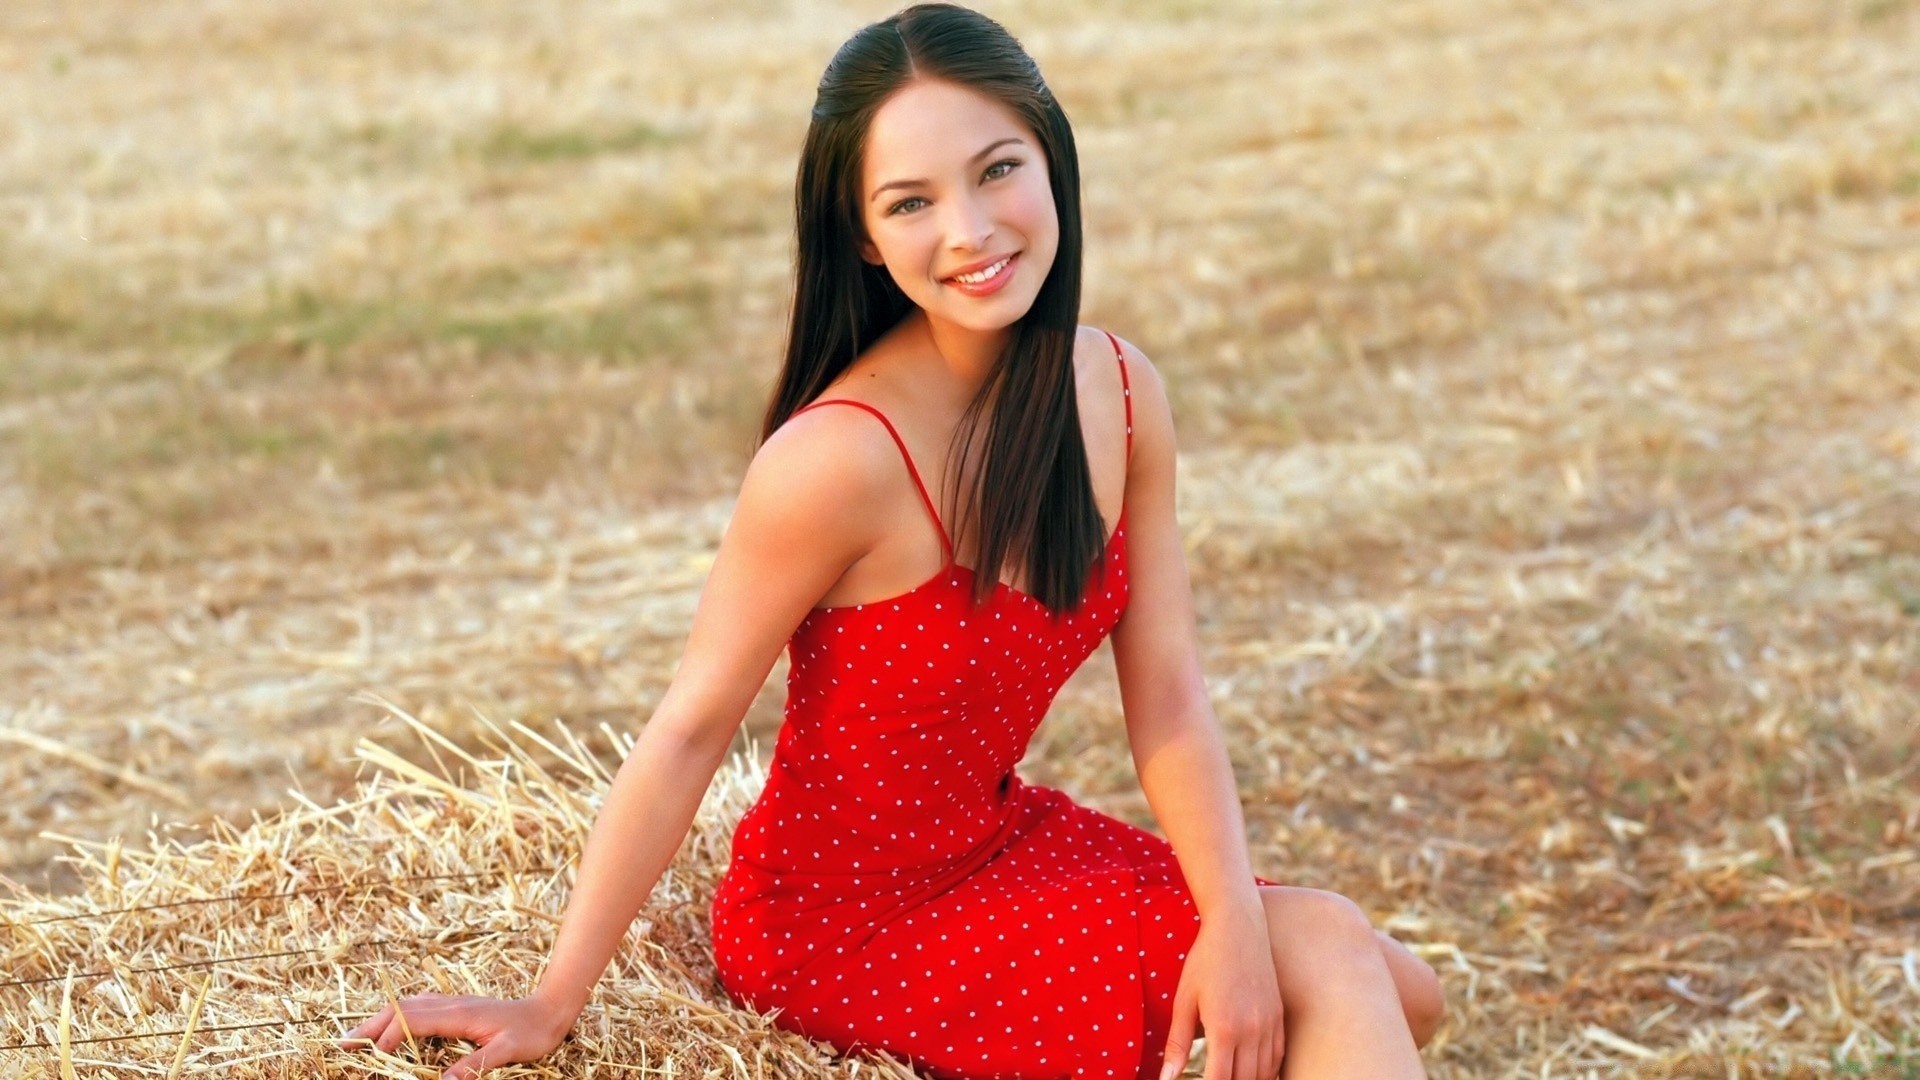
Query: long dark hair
x=1032, y=491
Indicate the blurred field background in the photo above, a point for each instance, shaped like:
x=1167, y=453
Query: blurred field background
x=1547, y=380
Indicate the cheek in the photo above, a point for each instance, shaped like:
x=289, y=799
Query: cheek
x=903, y=249
x=916, y=252
x=1032, y=208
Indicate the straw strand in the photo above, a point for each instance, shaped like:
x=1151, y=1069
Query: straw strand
x=188, y=965
x=130, y=1036
x=247, y=897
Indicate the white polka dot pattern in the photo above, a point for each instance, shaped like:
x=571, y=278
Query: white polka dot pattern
x=898, y=886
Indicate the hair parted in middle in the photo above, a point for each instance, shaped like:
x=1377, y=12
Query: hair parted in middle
x=1033, y=494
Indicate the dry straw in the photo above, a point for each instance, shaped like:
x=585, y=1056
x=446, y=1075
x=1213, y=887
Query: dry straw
x=1548, y=388
x=249, y=954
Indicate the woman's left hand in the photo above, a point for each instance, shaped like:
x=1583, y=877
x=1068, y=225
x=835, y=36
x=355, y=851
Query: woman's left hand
x=1230, y=988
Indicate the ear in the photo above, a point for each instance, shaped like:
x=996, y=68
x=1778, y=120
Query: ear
x=871, y=253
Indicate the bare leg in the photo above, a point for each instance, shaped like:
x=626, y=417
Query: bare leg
x=1419, y=985
x=1343, y=1011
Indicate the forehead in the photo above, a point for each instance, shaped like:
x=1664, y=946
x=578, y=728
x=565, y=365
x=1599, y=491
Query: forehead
x=930, y=127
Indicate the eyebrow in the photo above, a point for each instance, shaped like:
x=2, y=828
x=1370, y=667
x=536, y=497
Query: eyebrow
x=990, y=148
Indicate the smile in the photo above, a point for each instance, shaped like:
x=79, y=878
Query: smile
x=986, y=280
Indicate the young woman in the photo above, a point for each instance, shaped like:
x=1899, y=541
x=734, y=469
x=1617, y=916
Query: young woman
x=897, y=885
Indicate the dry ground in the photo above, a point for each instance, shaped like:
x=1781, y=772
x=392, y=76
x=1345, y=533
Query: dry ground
x=1547, y=377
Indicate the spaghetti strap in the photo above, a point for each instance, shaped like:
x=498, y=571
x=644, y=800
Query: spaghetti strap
x=1126, y=391
x=893, y=819
x=945, y=544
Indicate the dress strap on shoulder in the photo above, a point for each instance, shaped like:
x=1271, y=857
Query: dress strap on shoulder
x=1126, y=390
x=945, y=544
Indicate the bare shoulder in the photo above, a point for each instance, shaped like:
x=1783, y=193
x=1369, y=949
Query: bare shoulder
x=843, y=440
x=820, y=473
x=1139, y=367
x=1152, y=415
x=810, y=506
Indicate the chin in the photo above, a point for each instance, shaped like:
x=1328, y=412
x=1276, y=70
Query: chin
x=995, y=323
x=985, y=319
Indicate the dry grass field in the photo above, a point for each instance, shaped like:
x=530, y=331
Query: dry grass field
x=1548, y=386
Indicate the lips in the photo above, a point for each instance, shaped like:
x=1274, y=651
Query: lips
x=974, y=268
x=992, y=285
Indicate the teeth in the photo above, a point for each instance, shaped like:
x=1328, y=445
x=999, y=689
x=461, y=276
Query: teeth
x=983, y=275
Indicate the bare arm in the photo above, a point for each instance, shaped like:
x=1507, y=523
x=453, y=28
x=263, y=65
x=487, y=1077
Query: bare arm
x=810, y=505
x=1229, y=986
x=798, y=525
x=646, y=816
x=1176, y=742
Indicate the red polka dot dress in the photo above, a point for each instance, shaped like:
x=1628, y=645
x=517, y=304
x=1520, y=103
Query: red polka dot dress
x=898, y=886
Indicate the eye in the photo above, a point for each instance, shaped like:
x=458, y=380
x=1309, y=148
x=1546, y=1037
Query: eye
x=1010, y=163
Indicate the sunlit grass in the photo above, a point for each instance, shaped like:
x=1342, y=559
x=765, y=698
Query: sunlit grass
x=1548, y=390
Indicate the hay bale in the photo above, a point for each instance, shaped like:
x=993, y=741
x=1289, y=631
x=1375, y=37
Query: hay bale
x=252, y=951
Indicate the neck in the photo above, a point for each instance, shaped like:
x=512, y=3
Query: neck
x=966, y=355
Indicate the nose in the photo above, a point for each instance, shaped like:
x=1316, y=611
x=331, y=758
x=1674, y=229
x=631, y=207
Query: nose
x=970, y=227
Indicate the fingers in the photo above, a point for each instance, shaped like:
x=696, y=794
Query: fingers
x=467, y=1067
x=1265, y=1056
x=368, y=1029
x=1219, y=1064
x=1239, y=1057
x=1251, y=1059
x=1179, y=1038
x=391, y=1026
x=425, y=1015
x=401, y=1029
x=492, y=1024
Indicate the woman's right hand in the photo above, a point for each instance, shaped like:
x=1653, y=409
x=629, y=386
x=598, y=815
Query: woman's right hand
x=520, y=1030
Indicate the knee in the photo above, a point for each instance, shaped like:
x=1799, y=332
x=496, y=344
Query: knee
x=1301, y=920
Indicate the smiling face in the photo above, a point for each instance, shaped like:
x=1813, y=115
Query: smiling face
x=954, y=181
